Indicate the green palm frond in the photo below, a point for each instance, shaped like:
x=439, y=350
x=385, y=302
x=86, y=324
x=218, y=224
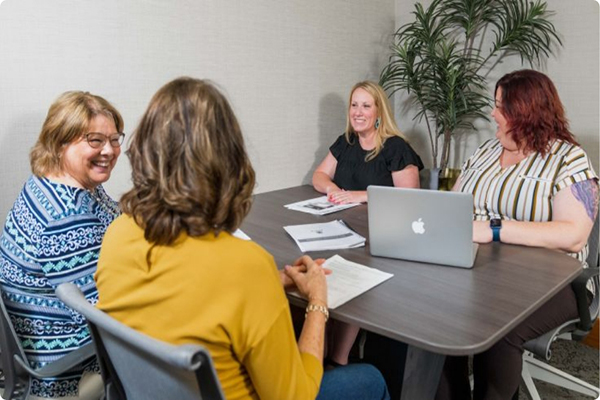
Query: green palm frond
x=522, y=28
x=438, y=60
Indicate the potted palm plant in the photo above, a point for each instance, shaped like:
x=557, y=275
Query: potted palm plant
x=443, y=57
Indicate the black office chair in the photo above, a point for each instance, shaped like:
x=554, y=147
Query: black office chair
x=539, y=349
x=17, y=373
x=136, y=366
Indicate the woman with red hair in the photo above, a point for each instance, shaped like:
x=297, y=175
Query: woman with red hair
x=535, y=186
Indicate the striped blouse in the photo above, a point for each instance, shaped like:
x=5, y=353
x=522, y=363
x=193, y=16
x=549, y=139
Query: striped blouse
x=52, y=235
x=524, y=191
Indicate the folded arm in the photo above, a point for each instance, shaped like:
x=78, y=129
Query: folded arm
x=574, y=212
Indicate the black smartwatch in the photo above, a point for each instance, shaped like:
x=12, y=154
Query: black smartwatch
x=496, y=225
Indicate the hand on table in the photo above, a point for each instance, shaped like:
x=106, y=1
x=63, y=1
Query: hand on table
x=347, y=196
x=308, y=277
x=287, y=282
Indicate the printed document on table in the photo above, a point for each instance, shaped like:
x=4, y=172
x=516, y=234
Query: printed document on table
x=349, y=280
x=319, y=206
x=324, y=236
x=241, y=235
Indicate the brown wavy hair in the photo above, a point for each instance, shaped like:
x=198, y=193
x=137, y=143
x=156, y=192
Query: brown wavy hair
x=533, y=111
x=190, y=169
x=68, y=119
x=387, y=125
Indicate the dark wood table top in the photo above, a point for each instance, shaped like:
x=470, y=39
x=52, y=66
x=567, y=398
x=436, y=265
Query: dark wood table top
x=442, y=309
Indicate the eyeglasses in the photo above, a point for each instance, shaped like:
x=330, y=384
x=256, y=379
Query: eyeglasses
x=97, y=140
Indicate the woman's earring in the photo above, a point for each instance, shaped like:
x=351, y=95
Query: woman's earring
x=377, y=123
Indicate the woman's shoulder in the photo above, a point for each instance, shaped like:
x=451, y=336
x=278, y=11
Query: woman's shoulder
x=492, y=143
x=56, y=200
x=340, y=142
x=40, y=196
x=397, y=143
x=572, y=156
x=563, y=148
x=124, y=225
x=342, y=148
x=251, y=250
x=346, y=141
x=250, y=257
x=396, y=139
x=399, y=153
x=490, y=146
x=60, y=201
x=574, y=165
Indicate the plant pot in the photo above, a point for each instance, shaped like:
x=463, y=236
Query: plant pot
x=447, y=178
x=436, y=179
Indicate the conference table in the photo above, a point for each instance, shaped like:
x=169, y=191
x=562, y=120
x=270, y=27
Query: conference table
x=435, y=310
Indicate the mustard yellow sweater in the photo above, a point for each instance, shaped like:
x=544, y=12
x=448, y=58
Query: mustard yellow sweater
x=221, y=292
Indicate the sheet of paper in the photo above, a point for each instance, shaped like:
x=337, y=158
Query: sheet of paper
x=331, y=235
x=349, y=280
x=319, y=206
x=241, y=235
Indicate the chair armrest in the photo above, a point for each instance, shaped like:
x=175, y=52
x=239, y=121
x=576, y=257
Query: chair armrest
x=579, y=286
x=61, y=365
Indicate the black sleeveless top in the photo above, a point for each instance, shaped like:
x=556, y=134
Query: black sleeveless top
x=354, y=173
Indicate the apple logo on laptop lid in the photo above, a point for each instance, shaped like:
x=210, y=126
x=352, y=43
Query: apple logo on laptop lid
x=418, y=226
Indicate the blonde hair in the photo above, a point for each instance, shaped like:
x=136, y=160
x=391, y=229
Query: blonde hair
x=387, y=124
x=190, y=169
x=68, y=119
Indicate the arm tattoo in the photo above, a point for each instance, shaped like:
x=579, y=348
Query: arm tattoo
x=587, y=194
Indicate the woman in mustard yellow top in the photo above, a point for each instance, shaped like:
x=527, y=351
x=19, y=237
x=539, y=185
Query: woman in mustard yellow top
x=169, y=266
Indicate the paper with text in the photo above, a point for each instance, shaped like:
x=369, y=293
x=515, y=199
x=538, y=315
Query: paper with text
x=319, y=206
x=331, y=235
x=349, y=280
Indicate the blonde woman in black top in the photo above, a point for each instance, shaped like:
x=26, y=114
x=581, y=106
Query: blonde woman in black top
x=373, y=151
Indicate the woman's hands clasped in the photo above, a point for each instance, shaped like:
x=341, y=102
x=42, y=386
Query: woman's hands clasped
x=308, y=277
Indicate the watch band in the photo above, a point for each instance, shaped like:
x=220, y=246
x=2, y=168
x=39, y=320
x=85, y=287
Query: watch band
x=496, y=225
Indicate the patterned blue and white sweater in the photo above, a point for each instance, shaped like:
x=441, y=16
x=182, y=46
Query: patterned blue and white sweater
x=52, y=235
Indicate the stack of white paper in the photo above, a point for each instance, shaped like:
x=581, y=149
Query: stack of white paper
x=318, y=206
x=349, y=280
x=325, y=236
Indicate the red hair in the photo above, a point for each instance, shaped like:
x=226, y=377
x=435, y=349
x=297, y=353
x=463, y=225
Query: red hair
x=533, y=111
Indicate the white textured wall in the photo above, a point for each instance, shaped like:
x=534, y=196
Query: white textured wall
x=574, y=68
x=286, y=67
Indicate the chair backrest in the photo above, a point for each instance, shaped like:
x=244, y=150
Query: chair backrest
x=593, y=262
x=578, y=328
x=593, y=259
x=140, y=367
x=16, y=379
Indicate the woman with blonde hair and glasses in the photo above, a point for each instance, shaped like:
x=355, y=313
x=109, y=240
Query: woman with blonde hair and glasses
x=372, y=151
x=171, y=268
x=53, y=234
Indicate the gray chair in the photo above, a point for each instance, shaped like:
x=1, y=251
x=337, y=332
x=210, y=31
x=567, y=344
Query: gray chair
x=16, y=371
x=538, y=350
x=135, y=366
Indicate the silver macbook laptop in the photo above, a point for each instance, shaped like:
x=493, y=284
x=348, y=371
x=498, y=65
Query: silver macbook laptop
x=421, y=225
